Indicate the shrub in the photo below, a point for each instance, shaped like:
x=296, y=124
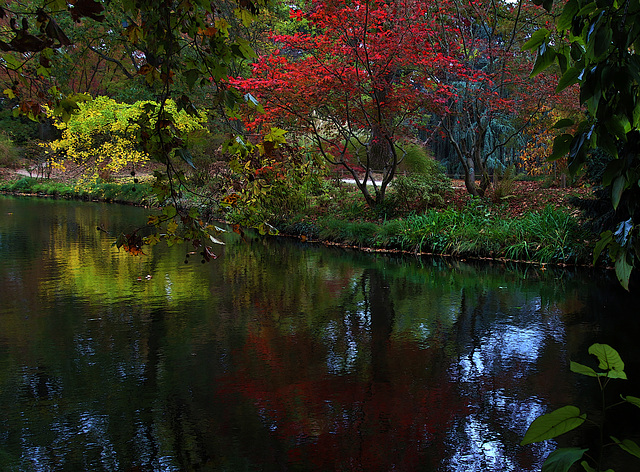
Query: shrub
x=505, y=179
x=20, y=129
x=104, y=135
x=415, y=160
x=270, y=182
x=8, y=152
x=419, y=191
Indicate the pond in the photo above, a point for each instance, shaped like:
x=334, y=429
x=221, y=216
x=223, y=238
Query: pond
x=281, y=355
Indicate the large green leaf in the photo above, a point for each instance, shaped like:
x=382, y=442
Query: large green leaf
x=568, y=78
x=633, y=400
x=546, y=56
x=536, y=39
x=605, y=239
x=623, y=273
x=602, y=40
x=629, y=446
x=582, y=369
x=569, y=11
x=616, y=190
x=609, y=359
x=553, y=424
x=561, y=146
x=563, y=123
x=562, y=459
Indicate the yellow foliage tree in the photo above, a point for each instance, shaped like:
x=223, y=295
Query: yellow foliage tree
x=103, y=136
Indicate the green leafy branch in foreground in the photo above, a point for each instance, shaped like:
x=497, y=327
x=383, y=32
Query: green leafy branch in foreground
x=570, y=417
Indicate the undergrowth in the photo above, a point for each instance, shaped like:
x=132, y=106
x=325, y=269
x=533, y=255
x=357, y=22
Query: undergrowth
x=125, y=192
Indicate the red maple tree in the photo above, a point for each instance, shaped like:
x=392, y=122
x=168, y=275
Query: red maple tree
x=356, y=82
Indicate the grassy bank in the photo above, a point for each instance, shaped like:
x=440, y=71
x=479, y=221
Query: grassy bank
x=539, y=231
x=124, y=191
x=547, y=236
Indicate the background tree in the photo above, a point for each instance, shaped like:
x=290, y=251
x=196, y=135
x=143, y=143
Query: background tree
x=494, y=101
x=176, y=47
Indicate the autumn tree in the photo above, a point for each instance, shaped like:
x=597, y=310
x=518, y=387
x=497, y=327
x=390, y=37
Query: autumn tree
x=494, y=99
x=103, y=136
x=354, y=83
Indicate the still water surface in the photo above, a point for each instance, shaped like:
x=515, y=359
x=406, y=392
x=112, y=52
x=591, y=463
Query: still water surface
x=280, y=355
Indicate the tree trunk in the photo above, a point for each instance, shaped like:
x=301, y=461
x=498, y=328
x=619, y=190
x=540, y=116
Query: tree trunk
x=470, y=176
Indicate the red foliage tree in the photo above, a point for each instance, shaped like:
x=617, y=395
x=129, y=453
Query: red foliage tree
x=501, y=99
x=356, y=83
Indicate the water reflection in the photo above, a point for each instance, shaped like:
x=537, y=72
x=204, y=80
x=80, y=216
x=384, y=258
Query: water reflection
x=277, y=356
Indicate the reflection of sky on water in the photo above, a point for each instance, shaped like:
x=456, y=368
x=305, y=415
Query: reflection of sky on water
x=342, y=340
x=511, y=349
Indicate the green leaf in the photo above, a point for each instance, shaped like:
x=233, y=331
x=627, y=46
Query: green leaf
x=605, y=239
x=11, y=61
x=568, y=78
x=587, y=467
x=561, y=146
x=623, y=273
x=616, y=190
x=546, y=56
x=536, y=39
x=582, y=369
x=618, y=126
x=568, y=13
x=191, y=77
x=608, y=357
x=563, y=123
x=633, y=400
x=587, y=9
x=169, y=211
x=553, y=424
x=628, y=445
x=602, y=40
x=562, y=459
x=245, y=49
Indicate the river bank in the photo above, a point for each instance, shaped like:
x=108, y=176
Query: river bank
x=532, y=224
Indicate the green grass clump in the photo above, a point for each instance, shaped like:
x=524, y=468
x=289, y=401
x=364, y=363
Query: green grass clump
x=356, y=233
x=548, y=236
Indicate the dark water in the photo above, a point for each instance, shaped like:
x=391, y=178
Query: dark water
x=282, y=356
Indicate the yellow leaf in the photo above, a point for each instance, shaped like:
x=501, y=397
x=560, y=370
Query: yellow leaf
x=172, y=226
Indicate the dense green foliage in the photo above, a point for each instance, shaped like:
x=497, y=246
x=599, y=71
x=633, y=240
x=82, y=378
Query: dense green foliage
x=550, y=236
x=126, y=191
x=601, y=56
